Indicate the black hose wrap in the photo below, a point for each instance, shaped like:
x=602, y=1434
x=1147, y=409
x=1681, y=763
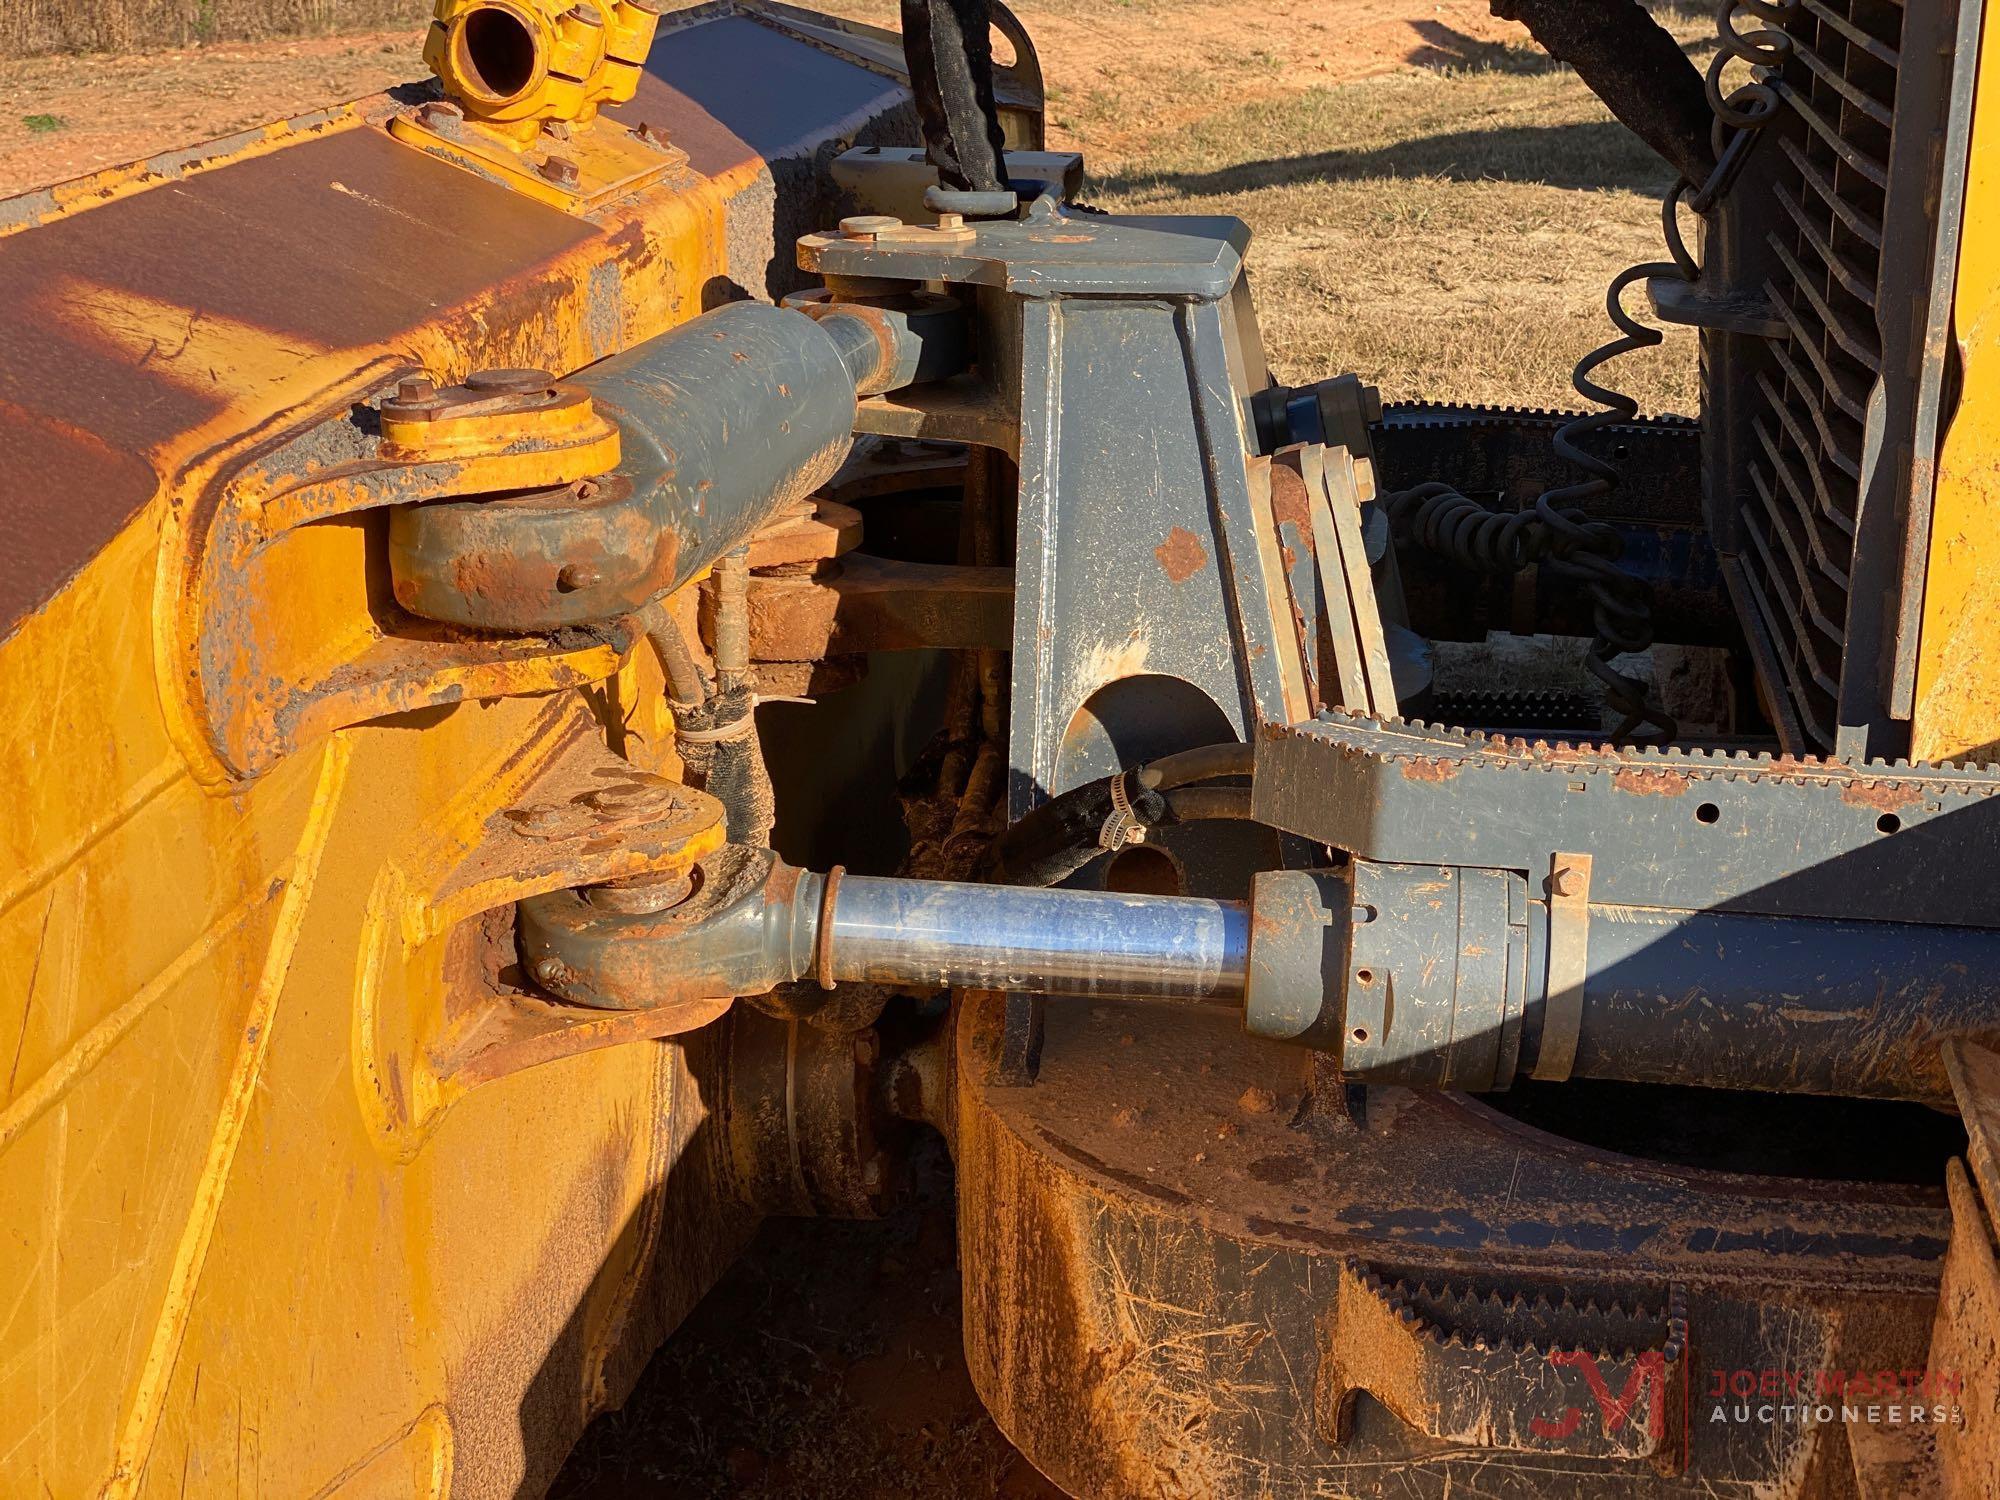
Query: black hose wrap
x=948, y=48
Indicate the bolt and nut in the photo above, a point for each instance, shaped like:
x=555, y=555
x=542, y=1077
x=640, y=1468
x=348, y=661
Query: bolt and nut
x=509, y=382
x=544, y=822
x=441, y=117
x=632, y=799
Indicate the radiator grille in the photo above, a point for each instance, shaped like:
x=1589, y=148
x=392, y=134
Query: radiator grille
x=1827, y=240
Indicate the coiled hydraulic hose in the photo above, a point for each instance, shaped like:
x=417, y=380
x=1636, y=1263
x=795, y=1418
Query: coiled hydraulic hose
x=1768, y=47
x=1556, y=531
x=1439, y=518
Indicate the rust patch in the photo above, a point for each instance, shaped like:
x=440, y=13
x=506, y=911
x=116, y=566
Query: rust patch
x=1642, y=783
x=1289, y=503
x=1181, y=555
x=1428, y=770
x=1881, y=796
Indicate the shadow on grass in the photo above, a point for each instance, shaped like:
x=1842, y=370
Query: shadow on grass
x=1586, y=156
x=1445, y=48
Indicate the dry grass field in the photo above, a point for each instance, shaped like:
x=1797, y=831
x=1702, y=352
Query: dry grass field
x=1435, y=205
x=28, y=26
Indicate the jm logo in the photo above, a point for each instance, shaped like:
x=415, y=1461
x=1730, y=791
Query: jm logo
x=1648, y=1380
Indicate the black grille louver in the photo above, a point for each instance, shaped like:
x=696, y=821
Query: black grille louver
x=1835, y=150
x=1821, y=415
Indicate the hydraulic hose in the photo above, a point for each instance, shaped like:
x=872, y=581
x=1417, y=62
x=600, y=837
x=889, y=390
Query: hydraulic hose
x=1064, y=834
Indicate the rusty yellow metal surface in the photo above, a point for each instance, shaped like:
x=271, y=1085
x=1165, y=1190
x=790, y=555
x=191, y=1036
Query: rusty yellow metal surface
x=45, y=205
x=283, y=1216
x=1957, y=710
x=524, y=81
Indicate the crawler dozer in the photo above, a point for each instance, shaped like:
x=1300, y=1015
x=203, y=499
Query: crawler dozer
x=596, y=644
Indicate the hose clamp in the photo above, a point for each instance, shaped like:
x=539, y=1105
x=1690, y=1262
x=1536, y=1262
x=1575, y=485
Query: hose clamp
x=1124, y=826
x=823, y=938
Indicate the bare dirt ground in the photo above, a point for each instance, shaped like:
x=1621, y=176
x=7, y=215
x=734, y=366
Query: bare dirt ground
x=825, y=1366
x=1436, y=206
x=66, y=115
x=1121, y=73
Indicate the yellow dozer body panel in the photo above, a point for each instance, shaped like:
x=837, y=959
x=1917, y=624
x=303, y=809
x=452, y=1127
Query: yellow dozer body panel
x=293, y=1203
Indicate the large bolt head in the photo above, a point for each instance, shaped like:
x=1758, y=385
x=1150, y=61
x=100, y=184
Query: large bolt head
x=508, y=382
x=868, y=226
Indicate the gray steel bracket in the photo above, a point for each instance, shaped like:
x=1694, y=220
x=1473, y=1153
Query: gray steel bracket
x=1114, y=361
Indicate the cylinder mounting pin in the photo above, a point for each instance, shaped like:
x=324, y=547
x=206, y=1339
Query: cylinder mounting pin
x=868, y=226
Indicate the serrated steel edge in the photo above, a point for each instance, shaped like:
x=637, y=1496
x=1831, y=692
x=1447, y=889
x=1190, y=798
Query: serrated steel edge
x=1423, y=416
x=1412, y=741
x=1664, y=1330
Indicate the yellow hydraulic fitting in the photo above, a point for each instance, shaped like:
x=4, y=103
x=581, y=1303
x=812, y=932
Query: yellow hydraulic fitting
x=518, y=65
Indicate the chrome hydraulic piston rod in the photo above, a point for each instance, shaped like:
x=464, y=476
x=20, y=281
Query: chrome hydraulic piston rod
x=754, y=923
x=933, y=932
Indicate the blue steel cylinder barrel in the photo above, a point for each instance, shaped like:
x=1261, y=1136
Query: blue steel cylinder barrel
x=724, y=422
